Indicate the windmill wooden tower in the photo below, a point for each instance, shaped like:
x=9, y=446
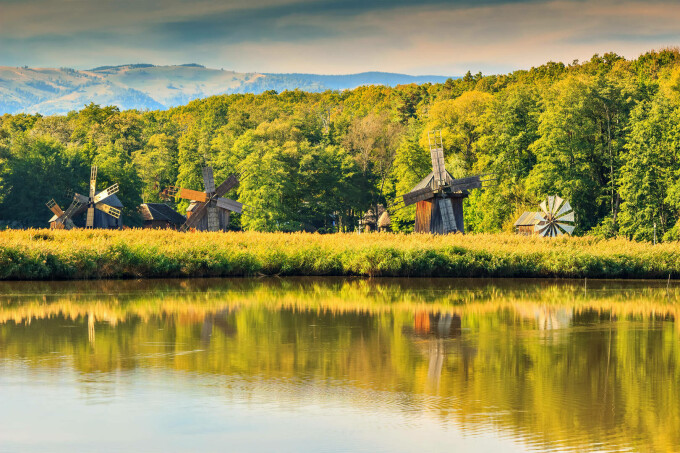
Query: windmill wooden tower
x=209, y=210
x=102, y=208
x=439, y=197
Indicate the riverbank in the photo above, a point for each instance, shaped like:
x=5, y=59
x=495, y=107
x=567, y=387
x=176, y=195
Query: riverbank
x=97, y=254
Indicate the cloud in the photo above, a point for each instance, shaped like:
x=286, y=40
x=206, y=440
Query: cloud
x=331, y=36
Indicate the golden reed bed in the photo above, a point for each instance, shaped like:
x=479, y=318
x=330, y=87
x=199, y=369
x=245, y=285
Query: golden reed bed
x=95, y=254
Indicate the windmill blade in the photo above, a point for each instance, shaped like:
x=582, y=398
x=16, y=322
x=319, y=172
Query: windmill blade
x=68, y=223
x=54, y=207
x=230, y=205
x=104, y=194
x=169, y=192
x=544, y=208
x=208, y=180
x=82, y=199
x=187, y=194
x=548, y=231
x=488, y=179
x=556, y=205
x=77, y=206
x=62, y=217
x=568, y=217
x=567, y=228
x=213, y=221
x=448, y=219
x=110, y=210
x=551, y=201
x=565, y=208
x=418, y=195
x=228, y=184
x=471, y=182
x=93, y=180
x=196, y=217
x=542, y=230
x=437, y=157
x=89, y=223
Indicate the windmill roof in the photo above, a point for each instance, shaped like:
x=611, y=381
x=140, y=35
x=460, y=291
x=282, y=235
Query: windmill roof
x=428, y=181
x=529, y=218
x=111, y=200
x=160, y=211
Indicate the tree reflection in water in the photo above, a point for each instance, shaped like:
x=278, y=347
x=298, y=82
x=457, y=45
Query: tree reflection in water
x=541, y=361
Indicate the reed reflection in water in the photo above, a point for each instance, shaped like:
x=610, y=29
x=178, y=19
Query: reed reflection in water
x=339, y=365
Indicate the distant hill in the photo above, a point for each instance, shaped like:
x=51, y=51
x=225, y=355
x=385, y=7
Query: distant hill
x=146, y=86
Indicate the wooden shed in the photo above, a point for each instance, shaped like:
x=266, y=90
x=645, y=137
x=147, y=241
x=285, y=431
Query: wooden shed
x=160, y=216
x=526, y=224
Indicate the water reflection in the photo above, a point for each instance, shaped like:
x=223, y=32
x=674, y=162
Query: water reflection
x=525, y=364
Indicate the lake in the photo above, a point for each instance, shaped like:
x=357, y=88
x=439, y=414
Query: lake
x=339, y=365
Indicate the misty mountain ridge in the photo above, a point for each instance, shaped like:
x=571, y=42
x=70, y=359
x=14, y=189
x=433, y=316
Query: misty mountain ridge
x=146, y=86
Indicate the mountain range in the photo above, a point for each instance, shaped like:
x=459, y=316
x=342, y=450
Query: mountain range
x=145, y=86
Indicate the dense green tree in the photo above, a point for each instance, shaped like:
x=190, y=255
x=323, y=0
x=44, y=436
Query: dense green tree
x=570, y=160
x=156, y=165
x=270, y=191
x=464, y=123
x=601, y=133
x=648, y=177
x=114, y=165
x=33, y=171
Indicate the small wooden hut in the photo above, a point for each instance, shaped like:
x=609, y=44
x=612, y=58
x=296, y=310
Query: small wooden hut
x=526, y=224
x=384, y=222
x=372, y=222
x=161, y=216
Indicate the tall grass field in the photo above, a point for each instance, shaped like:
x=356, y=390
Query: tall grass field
x=95, y=254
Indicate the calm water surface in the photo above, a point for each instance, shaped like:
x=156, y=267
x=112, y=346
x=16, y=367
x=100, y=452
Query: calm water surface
x=333, y=365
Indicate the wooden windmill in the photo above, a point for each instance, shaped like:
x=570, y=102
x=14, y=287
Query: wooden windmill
x=105, y=202
x=209, y=210
x=557, y=218
x=439, y=197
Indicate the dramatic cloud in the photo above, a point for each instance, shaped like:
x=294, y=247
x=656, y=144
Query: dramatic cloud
x=330, y=36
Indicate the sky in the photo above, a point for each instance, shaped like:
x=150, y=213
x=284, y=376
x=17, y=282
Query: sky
x=433, y=37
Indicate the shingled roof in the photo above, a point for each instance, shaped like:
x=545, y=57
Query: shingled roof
x=529, y=218
x=161, y=211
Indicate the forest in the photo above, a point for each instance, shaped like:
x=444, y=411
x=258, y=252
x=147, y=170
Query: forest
x=604, y=134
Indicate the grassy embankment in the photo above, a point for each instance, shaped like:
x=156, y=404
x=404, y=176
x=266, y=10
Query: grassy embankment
x=44, y=254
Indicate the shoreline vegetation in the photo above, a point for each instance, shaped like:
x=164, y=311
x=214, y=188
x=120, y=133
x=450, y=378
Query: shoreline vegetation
x=108, y=254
